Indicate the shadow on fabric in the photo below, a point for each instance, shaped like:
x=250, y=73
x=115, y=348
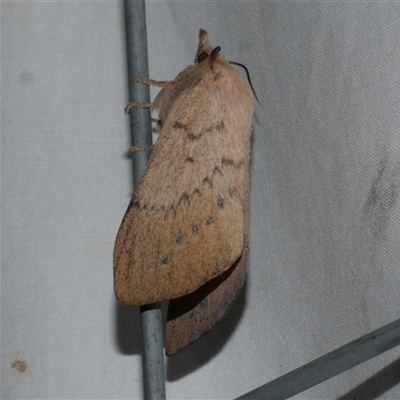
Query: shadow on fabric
x=377, y=385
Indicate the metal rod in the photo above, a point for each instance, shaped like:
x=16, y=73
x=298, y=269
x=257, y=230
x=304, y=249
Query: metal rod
x=330, y=364
x=151, y=315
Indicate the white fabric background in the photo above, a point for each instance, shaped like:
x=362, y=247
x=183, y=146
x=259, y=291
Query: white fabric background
x=324, y=207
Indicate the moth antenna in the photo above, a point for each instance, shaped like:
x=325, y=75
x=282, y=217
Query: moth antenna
x=213, y=55
x=248, y=77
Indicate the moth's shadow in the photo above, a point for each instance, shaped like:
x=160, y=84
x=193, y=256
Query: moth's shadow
x=127, y=329
x=202, y=351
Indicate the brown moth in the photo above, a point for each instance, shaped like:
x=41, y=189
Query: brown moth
x=184, y=234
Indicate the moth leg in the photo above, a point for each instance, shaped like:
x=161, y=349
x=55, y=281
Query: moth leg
x=157, y=121
x=140, y=148
x=129, y=106
x=151, y=82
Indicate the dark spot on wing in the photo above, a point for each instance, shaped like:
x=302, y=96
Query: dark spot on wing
x=195, y=228
x=206, y=129
x=221, y=202
x=220, y=126
x=135, y=203
x=180, y=238
x=189, y=159
x=185, y=199
x=180, y=125
x=193, y=137
x=207, y=181
x=208, y=220
x=217, y=169
x=228, y=162
x=165, y=259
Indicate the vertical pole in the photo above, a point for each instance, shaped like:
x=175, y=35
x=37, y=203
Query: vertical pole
x=151, y=315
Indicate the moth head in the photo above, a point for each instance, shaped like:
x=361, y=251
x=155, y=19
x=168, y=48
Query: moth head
x=206, y=52
x=204, y=49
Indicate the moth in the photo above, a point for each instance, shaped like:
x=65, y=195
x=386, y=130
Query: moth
x=184, y=235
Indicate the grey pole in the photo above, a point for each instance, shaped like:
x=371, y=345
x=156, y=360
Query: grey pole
x=329, y=365
x=151, y=315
